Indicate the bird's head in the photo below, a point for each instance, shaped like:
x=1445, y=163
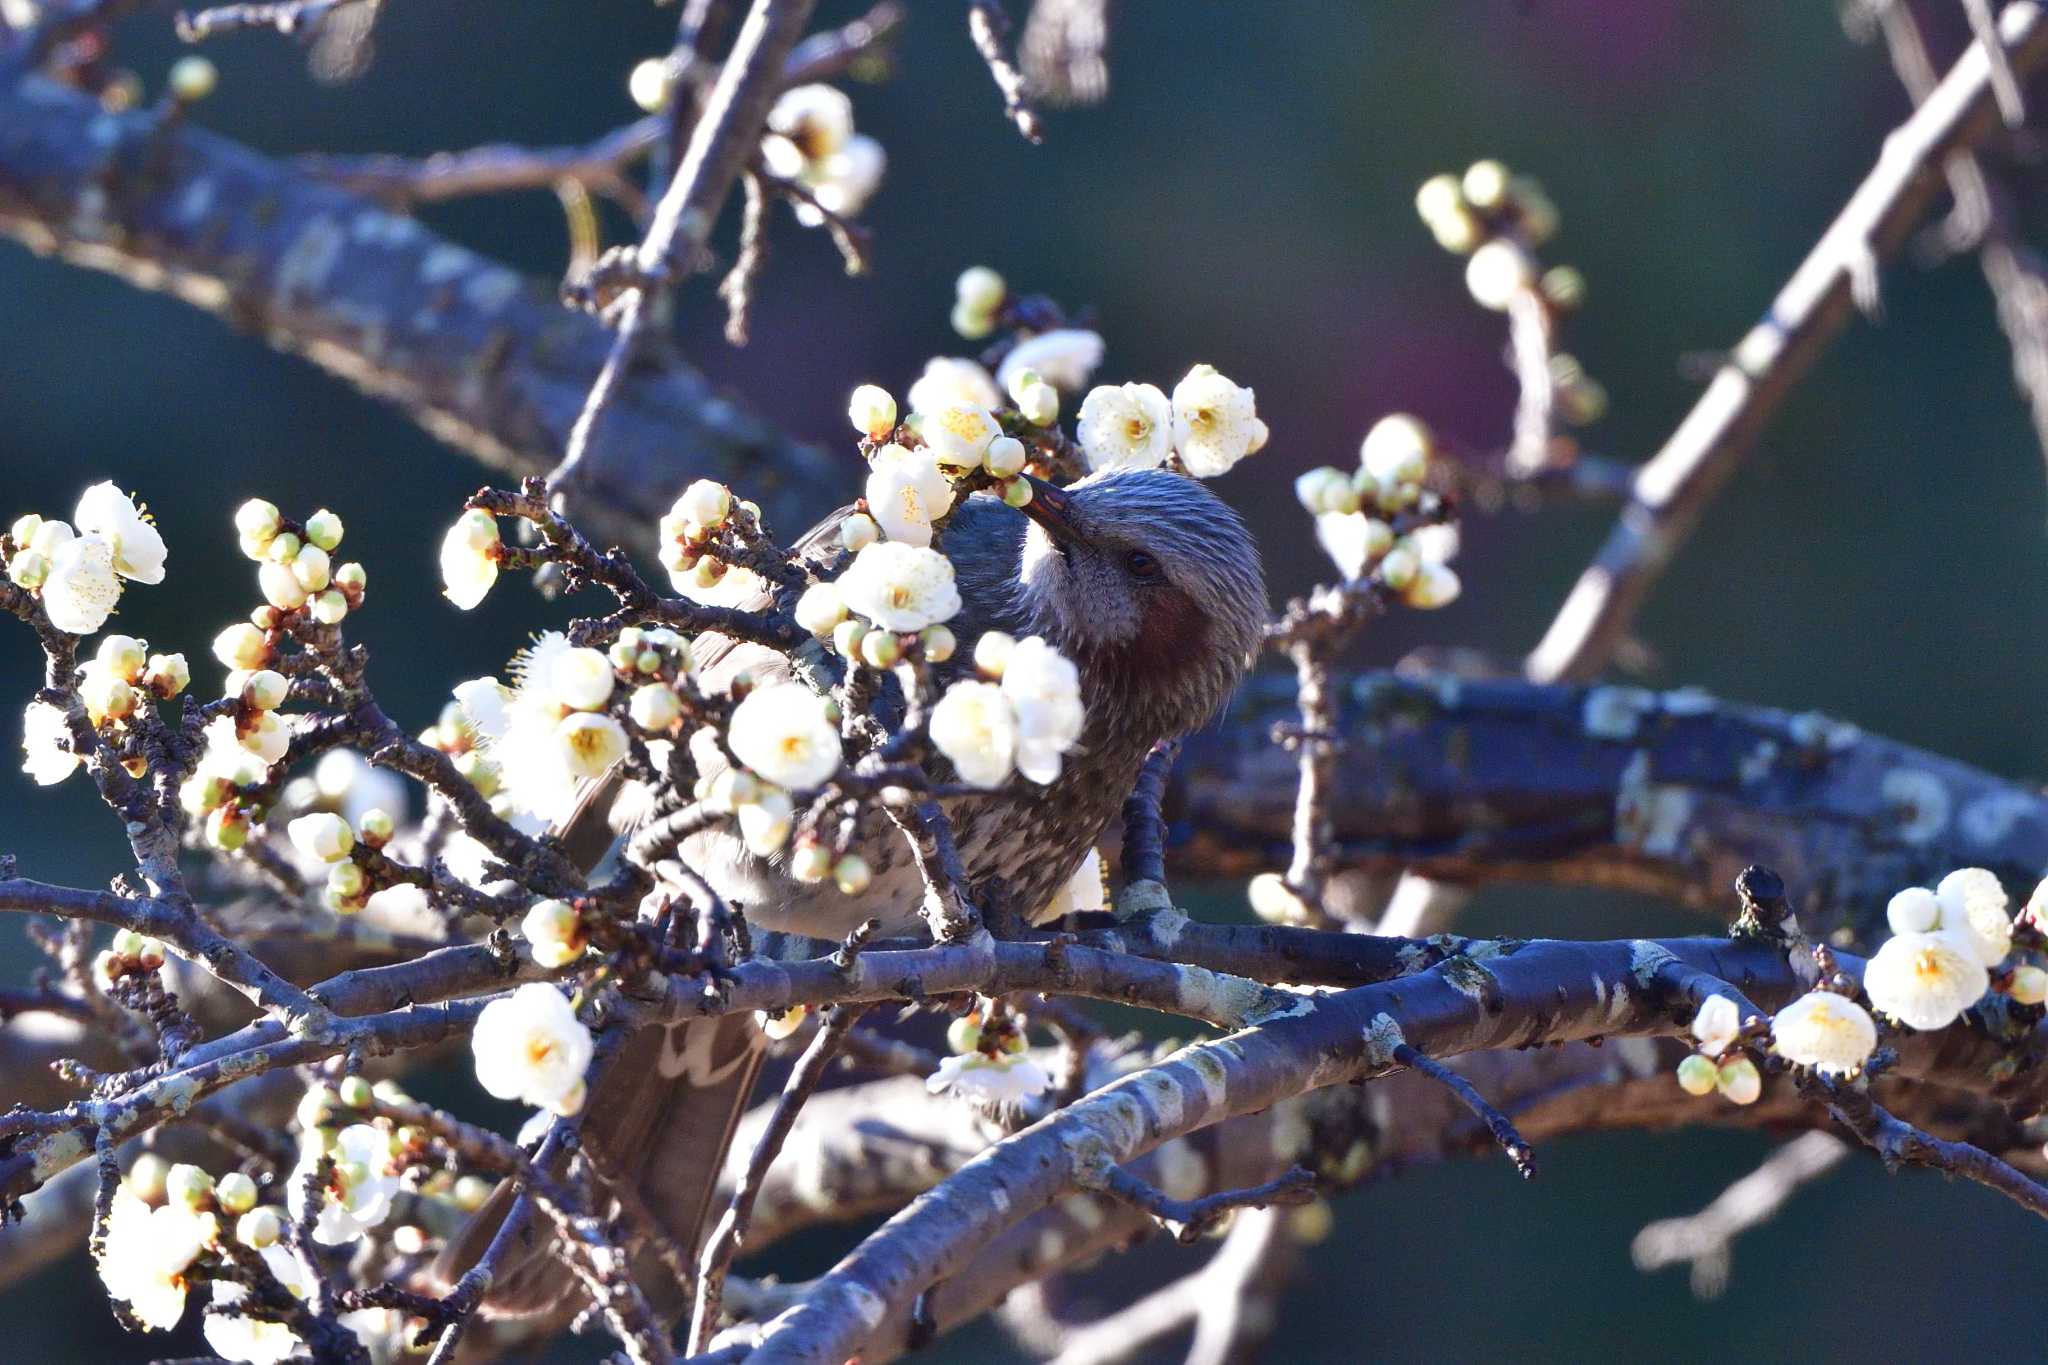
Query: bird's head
x=1152, y=584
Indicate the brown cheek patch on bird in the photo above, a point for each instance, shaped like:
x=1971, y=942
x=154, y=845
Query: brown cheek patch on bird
x=1173, y=633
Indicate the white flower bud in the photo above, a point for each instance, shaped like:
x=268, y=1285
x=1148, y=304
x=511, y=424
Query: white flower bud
x=852, y=874
x=705, y=503
x=765, y=821
x=655, y=707
x=265, y=689
x=1485, y=185
x=375, y=827
x=1273, y=901
x=651, y=85
x=322, y=836
x=1399, y=567
x=980, y=289
x=1740, y=1082
x=820, y=609
x=312, y=568
x=1716, y=1024
x=812, y=862
x=189, y=1186
x=1498, y=271
x=992, y=651
x=259, y=1228
x=323, y=528
x=124, y=656
x=1698, y=1076
x=281, y=587
x=1916, y=910
x=2029, y=984
x=192, y=79
x=858, y=531
x=872, y=411
x=241, y=646
x=1005, y=456
x=1435, y=585
x=469, y=558
x=1397, y=449
x=330, y=608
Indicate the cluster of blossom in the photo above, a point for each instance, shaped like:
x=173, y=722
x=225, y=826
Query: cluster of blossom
x=1944, y=947
x=78, y=567
x=1497, y=219
x=989, y=1065
x=1355, y=515
x=1719, y=1064
x=332, y=841
x=113, y=686
x=170, y=1227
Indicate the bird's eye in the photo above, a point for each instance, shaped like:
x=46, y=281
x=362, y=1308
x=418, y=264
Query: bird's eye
x=1143, y=567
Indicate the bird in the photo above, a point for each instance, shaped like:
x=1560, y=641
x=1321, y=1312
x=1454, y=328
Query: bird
x=1147, y=581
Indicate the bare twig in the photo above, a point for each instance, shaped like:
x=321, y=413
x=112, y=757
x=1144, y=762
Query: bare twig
x=1186, y=1219
x=1705, y=1239
x=988, y=23
x=1498, y=1124
x=726, y=1239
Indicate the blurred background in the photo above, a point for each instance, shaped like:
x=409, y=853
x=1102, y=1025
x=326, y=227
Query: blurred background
x=1243, y=197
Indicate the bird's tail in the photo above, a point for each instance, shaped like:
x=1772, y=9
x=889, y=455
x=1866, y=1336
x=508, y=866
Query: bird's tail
x=657, y=1123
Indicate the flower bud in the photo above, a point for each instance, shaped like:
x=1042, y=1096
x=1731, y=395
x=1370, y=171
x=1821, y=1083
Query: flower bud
x=938, y=643
x=992, y=653
x=258, y=519
x=235, y=1193
x=106, y=697
x=166, y=675
x=1497, y=272
x=227, y=829
x=963, y=1035
x=1399, y=568
x=1039, y=403
x=859, y=531
x=29, y=568
x=980, y=289
x=322, y=836
x=323, y=528
x=880, y=649
x=1485, y=185
x=852, y=874
x=1435, y=585
x=265, y=689
x=784, y=1024
x=2029, y=985
x=1005, y=456
x=259, y=1228
x=1740, y=1082
x=241, y=646
x=651, y=85
x=970, y=323
x=705, y=503
x=192, y=79
x=847, y=637
x=330, y=608
x=1017, y=492
x=146, y=1178
x=281, y=587
x=821, y=608
x=345, y=882
x=351, y=578
x=655, y=707
x=312, y=568
x=470, y=1192
x=283, y=548
x=24, y=529
x=124, y=656
x=872, y=411
x=1439, y=195
x=375, y=827
x=1564, y=286
x=189, y=1186
x=1275, y=902
x=1698, y=1075
x=812, y=862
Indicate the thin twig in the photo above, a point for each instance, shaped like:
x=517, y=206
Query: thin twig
x=1498, y=1124
x=1704, y=1240
x=988, y=23
x=731, y=1232
x=1187, y=1218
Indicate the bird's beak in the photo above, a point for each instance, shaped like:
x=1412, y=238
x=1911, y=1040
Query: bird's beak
x=1053, y=508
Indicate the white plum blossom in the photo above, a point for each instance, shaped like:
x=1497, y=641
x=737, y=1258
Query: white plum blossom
x=530, y=1046
x=820, y=608
x=1829, y=1032
x=906, y=492
x=1926, y=981
x=1045, y=688
x=992, y=1081
x=146, y=1256
x=948, y=380
x=1396, y=450
x=1215, y=422
x=540, y=743
x=816, y=118
x=254, y=1341
x=1125, y=427
x=1064, y=357
x=975, y=727
x=111, y=515
x=46, y=744
x=1716, y=1024
x=358, y=1195
x=1973, y=903
x=784, y=732
x=469, y=558
x=82, y=588
x=957, y=435
x=843, y=182
x=900, y=587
